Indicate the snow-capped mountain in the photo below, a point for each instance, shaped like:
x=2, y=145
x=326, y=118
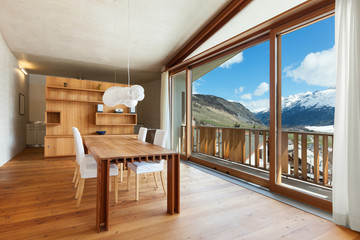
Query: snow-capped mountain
x=306, y=109
x=318, y=99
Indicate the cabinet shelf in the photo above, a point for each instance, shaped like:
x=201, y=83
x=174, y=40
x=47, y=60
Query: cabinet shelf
x=127, y=114
x=52, y=117
x=73, y=100
x=115, y=119
x=86, y=135
x=77, y=89
x=117, y=124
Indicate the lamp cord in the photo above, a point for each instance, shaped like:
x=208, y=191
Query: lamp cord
x=128, y=46
x=128, y=43
x=115, y=62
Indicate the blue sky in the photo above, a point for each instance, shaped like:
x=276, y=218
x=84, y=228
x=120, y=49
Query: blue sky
x=308, y=64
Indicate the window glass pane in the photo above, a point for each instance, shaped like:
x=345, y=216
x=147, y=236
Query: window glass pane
x=178, y=112
x=230, y=104
x=307, y=107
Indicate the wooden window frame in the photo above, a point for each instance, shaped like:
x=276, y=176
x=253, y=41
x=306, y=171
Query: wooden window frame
x=275, y=106
x=298, y=17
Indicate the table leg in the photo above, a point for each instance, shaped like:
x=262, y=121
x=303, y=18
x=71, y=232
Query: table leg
x=177, y=183
x=170, y=184
x=102, y=195
x=173, y=184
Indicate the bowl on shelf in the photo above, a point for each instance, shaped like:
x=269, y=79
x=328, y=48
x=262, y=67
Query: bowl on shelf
x=101, y=132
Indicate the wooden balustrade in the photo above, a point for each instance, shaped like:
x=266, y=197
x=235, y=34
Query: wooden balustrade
x=301, y=156
x=257, y=147
x=311, y=158
x=284, y=153
x=231, y=143
x=325, y=159
x=296, y=155
x=304, y=156
x=316, y=158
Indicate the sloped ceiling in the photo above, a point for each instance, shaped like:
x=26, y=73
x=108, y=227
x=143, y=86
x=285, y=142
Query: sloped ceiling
x=89, y=38
x=257, y=12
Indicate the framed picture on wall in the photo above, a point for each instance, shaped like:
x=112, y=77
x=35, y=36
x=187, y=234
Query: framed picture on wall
x=21, y=104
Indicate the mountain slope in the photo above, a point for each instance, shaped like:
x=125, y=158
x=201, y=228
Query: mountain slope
x=306, y=109
x=216, y=111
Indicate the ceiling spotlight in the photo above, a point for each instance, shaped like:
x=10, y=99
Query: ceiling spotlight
x=23, y=71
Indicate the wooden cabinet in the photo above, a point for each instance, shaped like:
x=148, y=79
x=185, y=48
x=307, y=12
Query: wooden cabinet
x=75, y=106
x=59, y=146
x=30, y=134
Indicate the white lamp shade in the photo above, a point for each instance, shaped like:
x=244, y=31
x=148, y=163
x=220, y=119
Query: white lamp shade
x=123, y=95
x=130, y=103
x=137, y=92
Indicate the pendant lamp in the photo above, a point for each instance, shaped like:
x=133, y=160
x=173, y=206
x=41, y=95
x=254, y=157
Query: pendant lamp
x=128, y=96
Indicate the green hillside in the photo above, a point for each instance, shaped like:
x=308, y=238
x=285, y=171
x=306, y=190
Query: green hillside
x=210, y=110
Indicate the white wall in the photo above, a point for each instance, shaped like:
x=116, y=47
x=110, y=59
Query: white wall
x=37, y=102
x=148, y=110
x=12, y=125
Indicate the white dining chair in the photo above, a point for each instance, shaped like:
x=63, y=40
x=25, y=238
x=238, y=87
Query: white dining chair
x=89, y=170
x=88, y=159
x=142, y=134
x=142, y=137
x=159, y=138
x=148, y=167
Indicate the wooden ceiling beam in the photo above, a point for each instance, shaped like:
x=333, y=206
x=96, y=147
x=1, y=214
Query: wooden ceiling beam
x=234, y=7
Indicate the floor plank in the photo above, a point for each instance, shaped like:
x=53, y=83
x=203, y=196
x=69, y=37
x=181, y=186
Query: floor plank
x=37, y=202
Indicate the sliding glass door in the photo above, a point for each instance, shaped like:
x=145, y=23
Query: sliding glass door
x=178, y=118
x=307, y=106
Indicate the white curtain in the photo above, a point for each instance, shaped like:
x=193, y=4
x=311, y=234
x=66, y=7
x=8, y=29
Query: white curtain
x=346, y=163
x=165, y=106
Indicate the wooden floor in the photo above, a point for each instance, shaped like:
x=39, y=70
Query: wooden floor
x=37, y=202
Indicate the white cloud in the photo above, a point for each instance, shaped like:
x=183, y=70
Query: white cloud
x=261, y=89
x=236, y=59
x=195, y=85
x=194, y=89
x=247, y=96
x=239, y=90
x=257, y=105
x=316, y=69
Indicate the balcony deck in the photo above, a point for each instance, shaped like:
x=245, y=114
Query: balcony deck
x=305, y=166
x=37, y=202
x=306, y=187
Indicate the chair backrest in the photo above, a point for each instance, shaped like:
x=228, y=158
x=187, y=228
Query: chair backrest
x=79, y=147
x=142, y=134
x=160, y=138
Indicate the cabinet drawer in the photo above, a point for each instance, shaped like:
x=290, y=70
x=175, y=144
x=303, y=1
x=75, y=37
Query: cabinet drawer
x=30, y=136
x=59, y=146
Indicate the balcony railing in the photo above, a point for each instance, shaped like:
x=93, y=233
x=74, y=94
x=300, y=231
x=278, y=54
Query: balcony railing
x=308, y=151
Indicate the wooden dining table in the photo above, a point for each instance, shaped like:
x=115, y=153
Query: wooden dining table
x=107, y=149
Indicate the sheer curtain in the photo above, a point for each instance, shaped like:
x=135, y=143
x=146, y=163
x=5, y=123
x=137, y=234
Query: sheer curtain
x=165, y=106
x=346, y=163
